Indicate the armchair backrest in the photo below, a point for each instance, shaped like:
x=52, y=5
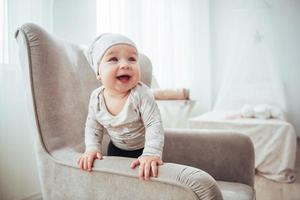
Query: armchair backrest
x=59, y=82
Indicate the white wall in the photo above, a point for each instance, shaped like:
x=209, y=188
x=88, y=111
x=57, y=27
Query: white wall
x=284, y=19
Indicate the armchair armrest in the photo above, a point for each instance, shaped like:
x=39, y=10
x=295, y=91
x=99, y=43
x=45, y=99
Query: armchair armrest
x=225, y=155
x=112, y=178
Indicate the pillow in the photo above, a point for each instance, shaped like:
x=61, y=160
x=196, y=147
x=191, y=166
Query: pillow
x=247, y=111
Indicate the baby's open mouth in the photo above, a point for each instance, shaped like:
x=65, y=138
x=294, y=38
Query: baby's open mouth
x=124, y=78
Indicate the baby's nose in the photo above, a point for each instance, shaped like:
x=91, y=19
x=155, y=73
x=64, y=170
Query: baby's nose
x=124, y=65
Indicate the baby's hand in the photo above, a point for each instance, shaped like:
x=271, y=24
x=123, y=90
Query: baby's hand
x=147, y=164
x=86, y=160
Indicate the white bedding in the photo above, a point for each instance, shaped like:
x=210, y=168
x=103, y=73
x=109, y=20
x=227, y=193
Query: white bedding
x=275, y=141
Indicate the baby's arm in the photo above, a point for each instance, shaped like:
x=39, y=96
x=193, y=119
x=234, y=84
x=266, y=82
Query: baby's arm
x=154, y=136
x=93, y=138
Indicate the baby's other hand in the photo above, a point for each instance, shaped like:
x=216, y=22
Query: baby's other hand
x=147, y=164
x=86, y=160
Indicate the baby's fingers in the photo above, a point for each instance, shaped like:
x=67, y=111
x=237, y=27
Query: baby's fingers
x=160, y=162
x=90, y=160
x=99, y=156
x=154, y=168
x=134, y=164
x=85, y=163
x=141, y=171
x=81, y=162
x=147, y=170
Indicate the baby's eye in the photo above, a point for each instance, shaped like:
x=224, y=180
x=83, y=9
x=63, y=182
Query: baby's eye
x=113, y=59
x=132, y=59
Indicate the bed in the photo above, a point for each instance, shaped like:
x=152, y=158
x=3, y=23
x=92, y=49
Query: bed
x=275, y=141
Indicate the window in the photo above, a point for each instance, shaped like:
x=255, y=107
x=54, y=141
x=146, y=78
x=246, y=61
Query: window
x=174, y=34
x=3, y=33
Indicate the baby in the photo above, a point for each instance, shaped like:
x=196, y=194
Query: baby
x=124, y=106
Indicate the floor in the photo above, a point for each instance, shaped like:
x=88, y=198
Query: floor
x=270, y=190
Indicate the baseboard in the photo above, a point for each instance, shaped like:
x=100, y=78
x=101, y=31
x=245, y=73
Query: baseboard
x=36, y=196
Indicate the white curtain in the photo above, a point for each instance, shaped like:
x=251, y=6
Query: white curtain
x=3, y=32
x=251, y=76
x=18, y=177
x=14, y=13
x=173, y=33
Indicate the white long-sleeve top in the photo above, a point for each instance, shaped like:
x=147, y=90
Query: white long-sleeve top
x=138, y=125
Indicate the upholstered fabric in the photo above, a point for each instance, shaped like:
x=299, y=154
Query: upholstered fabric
x=226, y=156
x=236, y=191
x=59, y=82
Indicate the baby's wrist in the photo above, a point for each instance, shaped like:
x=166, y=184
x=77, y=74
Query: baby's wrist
x=150, y=156
x=92, y=150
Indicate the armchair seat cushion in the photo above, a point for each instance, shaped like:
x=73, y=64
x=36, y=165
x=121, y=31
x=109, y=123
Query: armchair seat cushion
x=236, y=191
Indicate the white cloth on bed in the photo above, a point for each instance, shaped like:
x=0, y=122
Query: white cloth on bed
x=274, y=140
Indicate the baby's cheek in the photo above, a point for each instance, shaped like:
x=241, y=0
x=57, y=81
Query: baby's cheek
x=138, y=74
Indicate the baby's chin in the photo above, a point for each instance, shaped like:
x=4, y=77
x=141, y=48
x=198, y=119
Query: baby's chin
x=129, y=86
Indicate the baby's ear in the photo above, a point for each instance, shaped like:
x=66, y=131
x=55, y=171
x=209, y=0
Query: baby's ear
x=99, y=79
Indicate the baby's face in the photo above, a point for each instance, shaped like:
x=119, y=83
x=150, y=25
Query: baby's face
x=119, y=68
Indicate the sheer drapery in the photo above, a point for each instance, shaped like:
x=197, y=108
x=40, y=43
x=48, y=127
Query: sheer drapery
x=14, y=13
x=3, y=32
x=251, y=76
x=173, y=33
x=15, y=124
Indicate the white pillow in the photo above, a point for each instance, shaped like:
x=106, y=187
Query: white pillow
x=262, y=111
x=277, y=113
x=247, y=111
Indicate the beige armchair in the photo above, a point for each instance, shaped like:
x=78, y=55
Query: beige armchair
x=59, y=81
